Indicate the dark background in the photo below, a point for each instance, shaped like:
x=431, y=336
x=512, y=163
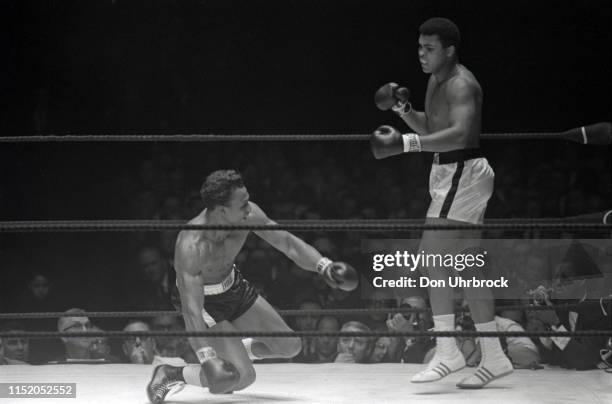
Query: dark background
x=285, y=66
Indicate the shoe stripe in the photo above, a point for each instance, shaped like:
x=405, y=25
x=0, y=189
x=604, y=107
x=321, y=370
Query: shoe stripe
x=486, y=376
x=444, y=369
x=438, y=372
x=484, y=380
x=487, y=372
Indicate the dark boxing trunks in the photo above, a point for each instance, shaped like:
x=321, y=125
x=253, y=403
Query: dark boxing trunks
x=227, y=305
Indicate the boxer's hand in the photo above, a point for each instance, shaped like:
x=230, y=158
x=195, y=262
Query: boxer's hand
x=387, y=141
x=338, y=275
x=392, y=96
x=221, y=375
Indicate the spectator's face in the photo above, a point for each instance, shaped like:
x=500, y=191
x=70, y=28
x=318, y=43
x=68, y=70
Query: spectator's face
x=152, y=264
x=377, y=301
x=16, y=348
x=307, y=323
x=237, y=209
x=327, y=346
x=166, y=323
x=76, y=324
x=39, y=287
x=356, y=346
x=381, y=348
x=139, y=349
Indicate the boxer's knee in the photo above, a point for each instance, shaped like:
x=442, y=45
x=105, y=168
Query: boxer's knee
x=286, y=347
x=291, y=347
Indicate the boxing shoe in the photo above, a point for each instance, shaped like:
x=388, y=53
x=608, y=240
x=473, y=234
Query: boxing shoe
x=165, y=378
x=485, y=373
x=439, y=367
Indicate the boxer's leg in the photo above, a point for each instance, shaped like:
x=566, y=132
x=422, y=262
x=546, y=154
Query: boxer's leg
x=261, y=316
x=448, y=358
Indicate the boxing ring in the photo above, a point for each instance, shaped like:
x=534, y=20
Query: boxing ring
x=308, y=383
x=329, y=383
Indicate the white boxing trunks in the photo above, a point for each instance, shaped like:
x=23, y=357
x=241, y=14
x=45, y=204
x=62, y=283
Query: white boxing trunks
x=460, y=185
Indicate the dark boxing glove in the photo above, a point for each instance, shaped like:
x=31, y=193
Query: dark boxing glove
x=392, y=96
x=338, y=275
x=221, y=375
x=387, y=141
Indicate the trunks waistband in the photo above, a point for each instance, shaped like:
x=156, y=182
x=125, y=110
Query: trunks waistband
x=223, y=286
x=455, y=156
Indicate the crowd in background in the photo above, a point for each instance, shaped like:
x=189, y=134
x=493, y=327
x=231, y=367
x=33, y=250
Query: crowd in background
x=314, y=185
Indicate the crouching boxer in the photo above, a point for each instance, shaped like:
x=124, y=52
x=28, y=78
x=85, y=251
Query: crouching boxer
x=213, y=294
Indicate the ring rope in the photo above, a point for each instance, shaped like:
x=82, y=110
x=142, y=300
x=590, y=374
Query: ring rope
x=338, y=225
x=292, y=312
x=289, y=334
x=299, y=137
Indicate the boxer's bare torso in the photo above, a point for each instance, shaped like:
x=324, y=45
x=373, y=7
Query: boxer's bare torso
x=214, y=256
x=437, y=108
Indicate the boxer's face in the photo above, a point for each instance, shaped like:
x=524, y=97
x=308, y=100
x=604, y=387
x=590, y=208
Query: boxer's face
x=238, y=208
x=432, y=55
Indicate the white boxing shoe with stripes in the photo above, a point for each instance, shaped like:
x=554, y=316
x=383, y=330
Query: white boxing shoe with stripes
x=493, y=364
x=486, y=374
x=439, y=367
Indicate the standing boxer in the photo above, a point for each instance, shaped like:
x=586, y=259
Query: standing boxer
x=461, y=183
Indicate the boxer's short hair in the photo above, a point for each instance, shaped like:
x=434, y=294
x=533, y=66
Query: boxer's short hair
x=445, y=29
x=218, y=187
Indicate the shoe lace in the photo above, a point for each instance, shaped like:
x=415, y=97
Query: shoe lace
x=162, y=389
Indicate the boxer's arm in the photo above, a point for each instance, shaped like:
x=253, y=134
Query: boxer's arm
x=462, y=112
x=296, y=249
x=191, y=290
x=416, y=120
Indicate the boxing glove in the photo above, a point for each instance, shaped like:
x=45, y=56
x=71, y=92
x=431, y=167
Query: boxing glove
x=338, y=275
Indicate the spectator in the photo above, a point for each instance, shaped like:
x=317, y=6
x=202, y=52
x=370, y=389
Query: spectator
x=139, y=349
x=354, y=349
x=378, y=299
x=569, y=286
x=99, y=348
x=413, y=349
x=76, y=348
x=157, y=275
x=15, y=351
x=307, y=323
x=172, y=346
x=383, y=350
x=39, y=296
x=326, y=348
